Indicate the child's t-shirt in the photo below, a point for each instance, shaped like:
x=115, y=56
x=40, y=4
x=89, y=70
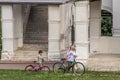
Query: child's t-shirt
x=70, y=55
x=39, y=59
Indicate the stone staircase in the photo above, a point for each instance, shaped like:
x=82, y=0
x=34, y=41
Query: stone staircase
x=29, y=52
x=35, y=35
x=21, y=55
x=36, y=38
x=36, y=31
x=104, y=62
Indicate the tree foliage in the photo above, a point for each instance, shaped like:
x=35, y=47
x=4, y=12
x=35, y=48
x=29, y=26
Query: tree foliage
x=106, y=25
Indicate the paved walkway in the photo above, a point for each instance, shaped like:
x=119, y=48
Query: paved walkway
x=20, y=64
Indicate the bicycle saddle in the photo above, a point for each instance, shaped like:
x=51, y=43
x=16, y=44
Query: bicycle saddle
x=63, y=59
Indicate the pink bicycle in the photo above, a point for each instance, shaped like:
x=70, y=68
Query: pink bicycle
x=37, y=67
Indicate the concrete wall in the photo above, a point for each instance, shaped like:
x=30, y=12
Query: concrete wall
x=103, y=44
x=110, y=45
x=107, y=5
x=95, y=24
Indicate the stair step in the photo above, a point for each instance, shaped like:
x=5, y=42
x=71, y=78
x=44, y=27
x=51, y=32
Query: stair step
x=34, y=47
x=34, y=42
x=29, y=52
x=21, y=55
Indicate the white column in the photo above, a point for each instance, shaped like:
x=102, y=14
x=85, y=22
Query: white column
x=54, y=32
x=62, y=31
x=81, y=30
x=7, y=32
x=116, y=18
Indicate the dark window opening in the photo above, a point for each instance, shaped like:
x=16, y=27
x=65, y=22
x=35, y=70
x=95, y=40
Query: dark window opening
x=106, y=23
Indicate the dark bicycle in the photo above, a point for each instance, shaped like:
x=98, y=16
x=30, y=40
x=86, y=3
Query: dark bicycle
x=37, y=67
x=77, y=68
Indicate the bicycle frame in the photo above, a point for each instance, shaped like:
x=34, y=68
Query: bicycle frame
x=77, y=68
x=36, y=66
x=67, y=68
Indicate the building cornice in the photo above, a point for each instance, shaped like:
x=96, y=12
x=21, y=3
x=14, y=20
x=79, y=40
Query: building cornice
x=33, y=1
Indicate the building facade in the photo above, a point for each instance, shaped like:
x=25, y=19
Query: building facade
x=104, y=44
x=53, y=25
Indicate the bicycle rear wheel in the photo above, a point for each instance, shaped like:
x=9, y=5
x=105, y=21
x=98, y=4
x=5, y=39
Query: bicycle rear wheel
x=58, y=68
x=45, y=69
x=78, y=69
x=29, y=68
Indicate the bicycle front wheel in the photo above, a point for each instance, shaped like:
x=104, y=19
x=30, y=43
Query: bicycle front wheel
x=58, y=68
x=78, y=69
x=45, y=70
x=29, y=68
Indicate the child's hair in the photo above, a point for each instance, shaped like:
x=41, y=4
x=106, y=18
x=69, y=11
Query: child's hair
x=40, y=51
x=71, y=47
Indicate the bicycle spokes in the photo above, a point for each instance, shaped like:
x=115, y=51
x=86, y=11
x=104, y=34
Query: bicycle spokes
x=58, y=68
x=45, y=69
x=29, y=68
x=78, y=69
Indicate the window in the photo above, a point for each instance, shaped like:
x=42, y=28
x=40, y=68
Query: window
x=106, y=23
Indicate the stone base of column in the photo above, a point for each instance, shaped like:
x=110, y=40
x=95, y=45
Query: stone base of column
x=82, y=52
x=6, y=55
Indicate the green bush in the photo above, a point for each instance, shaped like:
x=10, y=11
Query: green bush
x=106, y=25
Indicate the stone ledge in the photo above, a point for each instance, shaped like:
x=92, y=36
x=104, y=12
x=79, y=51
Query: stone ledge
x=33, y=1
x=21, y=64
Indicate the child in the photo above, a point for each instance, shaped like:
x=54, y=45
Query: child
x=39, y=61
x=71, y=55
x=40, y=58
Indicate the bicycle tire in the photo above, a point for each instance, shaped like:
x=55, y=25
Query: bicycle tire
x=78, y=69
x=29, y=68
x=45, y=69
x=58, y=68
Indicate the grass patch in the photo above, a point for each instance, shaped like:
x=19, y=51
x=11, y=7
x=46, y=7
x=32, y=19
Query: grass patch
x=89, y=75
